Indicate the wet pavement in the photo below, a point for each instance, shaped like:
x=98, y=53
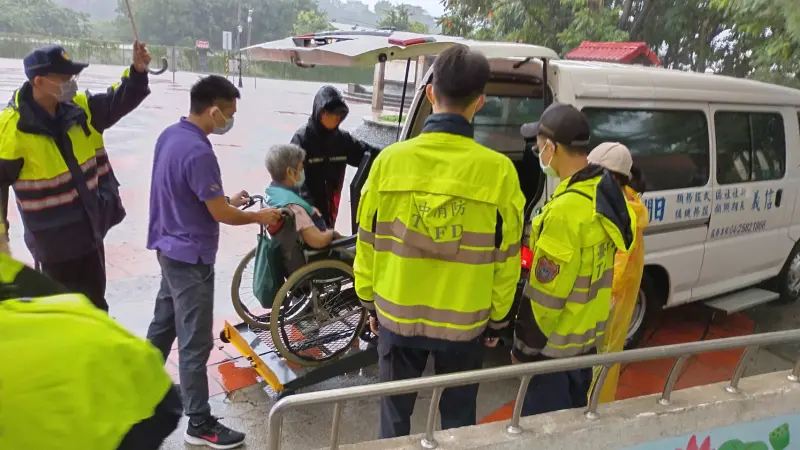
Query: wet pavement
x=269, y=112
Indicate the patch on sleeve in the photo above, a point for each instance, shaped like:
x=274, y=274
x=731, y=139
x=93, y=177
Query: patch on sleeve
x=546, y=270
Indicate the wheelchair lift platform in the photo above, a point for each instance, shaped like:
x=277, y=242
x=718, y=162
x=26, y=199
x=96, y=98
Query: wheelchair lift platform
x=285, y=378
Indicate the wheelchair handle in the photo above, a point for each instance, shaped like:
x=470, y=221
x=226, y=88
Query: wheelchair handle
x=252, y=200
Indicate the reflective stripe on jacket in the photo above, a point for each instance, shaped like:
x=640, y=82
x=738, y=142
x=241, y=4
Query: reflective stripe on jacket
x=574, y=240
x=440, y=221
x=62, y=222
x=72, y=378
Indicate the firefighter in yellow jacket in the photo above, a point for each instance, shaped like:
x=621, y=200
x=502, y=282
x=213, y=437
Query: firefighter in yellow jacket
x=437, y=260
x=574, y=238
x=72, y=378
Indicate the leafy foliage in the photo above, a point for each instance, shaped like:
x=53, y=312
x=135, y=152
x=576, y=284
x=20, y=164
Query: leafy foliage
x=42, y=17
x=754, y=38
x=181, y=22
x=311, y=22
x=399, y=18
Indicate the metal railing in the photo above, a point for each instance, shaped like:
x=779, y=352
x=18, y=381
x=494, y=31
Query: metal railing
x=524, y=372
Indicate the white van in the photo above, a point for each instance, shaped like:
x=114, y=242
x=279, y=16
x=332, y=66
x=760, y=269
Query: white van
x=721, y=156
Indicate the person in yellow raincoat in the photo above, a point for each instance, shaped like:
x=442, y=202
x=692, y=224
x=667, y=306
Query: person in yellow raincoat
x=628, y=267
x=72, y=378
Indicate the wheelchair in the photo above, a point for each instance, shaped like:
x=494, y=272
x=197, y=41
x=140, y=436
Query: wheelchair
x=315, y=316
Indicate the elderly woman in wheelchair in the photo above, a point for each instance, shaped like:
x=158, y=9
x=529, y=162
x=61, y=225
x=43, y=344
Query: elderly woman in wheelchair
x=302, y=273
x=285, y=166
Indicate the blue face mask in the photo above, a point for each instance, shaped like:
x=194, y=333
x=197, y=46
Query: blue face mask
x=223, y=129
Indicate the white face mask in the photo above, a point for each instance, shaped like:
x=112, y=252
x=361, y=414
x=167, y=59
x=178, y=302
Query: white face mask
x=67, y=90
x=546, y=169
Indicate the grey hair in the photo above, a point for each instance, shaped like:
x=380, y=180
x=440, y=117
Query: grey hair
x=282, y=157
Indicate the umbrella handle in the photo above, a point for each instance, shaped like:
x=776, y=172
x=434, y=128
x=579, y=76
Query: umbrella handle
x=163, y=68
x=164, y=62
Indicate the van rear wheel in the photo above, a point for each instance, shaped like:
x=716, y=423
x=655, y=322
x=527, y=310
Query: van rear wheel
x=647, y=307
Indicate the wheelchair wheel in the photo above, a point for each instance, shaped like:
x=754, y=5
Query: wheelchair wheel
x=244, y=300
x=321, y=315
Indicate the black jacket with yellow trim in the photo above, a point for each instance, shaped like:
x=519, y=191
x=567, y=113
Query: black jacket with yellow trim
x=65, y=215
x=328, y=153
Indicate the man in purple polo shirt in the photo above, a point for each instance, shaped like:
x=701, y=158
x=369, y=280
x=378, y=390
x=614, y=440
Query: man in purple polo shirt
x=187, y=204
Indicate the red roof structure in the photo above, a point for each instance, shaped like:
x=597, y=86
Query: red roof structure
x=619, y=52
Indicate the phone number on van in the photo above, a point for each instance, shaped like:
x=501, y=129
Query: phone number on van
x=740, y=228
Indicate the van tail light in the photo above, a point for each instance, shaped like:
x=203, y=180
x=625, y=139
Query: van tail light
x=412, y=41
x=527, y=258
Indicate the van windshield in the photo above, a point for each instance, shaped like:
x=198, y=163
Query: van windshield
x=497, y=123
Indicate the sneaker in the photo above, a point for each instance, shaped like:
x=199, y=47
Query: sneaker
x=212, y=434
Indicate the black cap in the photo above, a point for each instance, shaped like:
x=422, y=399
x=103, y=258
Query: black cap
x=561, y=123
x=50, y=59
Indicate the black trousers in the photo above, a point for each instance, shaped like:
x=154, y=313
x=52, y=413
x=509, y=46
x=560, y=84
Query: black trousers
x=85, y=275
x=551, y=392
x=150, y=433
x=458, y=406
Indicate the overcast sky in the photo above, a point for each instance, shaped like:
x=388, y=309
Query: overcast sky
x=434, y=7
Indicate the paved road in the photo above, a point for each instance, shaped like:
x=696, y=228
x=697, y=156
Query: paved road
x=269, y=112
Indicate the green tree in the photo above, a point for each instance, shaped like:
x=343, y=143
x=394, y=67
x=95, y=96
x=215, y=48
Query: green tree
x=757, y=38
x=592, y=24
x=399, y=18
x=418, y=27
x=42, y=18
x=311, y=22
x=175, y=21
x=770, y=33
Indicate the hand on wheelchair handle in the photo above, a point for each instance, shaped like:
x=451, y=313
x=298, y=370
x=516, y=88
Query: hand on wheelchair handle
x=491, y=342
x=240, y=199
x=269, y=216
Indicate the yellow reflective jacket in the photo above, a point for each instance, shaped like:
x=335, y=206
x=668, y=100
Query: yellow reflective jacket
x=440, y=222
x=72, y=378
x=53, y=203
x=628, y=270
x=574, y=240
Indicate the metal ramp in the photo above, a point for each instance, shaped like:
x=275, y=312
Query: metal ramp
x=742, y=300
x=284, y=378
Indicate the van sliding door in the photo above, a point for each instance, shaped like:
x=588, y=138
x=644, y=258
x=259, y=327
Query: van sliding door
x=753, y=199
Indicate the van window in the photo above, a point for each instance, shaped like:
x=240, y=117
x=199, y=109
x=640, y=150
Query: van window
x=670, y=147
x=750, y=147
x=497, y=123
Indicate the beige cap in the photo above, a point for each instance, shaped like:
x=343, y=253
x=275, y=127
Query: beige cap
x=612, y=156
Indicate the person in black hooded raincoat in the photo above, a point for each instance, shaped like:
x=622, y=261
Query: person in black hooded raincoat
x=329, y=150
